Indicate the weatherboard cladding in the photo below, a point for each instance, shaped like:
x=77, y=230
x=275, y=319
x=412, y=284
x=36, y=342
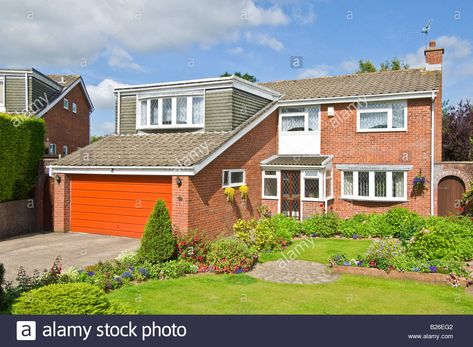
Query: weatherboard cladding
x=245, y=105
x=38, y=89
x=127, y=114
x=15, y=94
x=218, y=110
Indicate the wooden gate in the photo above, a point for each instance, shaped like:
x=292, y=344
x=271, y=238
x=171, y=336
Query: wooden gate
x=450, y=192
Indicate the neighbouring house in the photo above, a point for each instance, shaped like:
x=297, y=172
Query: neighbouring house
x=61, y=100
x=350, y=144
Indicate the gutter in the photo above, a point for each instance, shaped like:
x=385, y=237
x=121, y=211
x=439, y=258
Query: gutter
x=432, y=156
x=123, y=170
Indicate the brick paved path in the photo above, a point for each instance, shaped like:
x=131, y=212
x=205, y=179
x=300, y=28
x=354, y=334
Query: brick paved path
x=293, y=271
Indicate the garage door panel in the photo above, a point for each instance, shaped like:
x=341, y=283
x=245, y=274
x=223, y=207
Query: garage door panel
x=128, y=187
x=109, y=217
x=116, y=205
x=144, y=211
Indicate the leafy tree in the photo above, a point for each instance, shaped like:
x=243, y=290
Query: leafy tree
x=246, y=76
x=158, y=243
x=95, y=138
x=458, y=131
x=368, y=66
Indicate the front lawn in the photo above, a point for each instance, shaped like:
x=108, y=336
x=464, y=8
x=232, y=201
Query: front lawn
x=242, y=294
x=318, y=249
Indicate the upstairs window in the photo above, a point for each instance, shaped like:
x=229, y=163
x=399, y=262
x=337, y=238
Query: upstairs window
x=2, y=91
x=182, y=111
x=382, y=116
x=52, y=149
x=65, y=150
x=298, y=119
x=74, y=107
x=66, y=104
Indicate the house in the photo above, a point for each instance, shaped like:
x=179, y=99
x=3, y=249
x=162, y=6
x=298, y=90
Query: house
x=62, y=100
x=349, y=144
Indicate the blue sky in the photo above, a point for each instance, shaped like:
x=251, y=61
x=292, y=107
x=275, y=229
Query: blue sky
x=112, y=43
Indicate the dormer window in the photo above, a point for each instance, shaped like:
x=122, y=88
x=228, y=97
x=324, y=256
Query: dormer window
x=171, y=112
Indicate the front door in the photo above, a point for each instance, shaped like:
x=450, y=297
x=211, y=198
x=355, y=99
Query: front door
x=291, y=193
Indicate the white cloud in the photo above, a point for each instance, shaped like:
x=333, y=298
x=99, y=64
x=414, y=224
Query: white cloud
x=105, y=128
x=37, y=33
x=118, y=57
x=102, y=94
x=317, y=71
x=303, y=16
x=349, y=65
x=235, y=50
x=265, y=40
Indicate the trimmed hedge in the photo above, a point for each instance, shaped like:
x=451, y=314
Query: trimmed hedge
x=21, y=149
x=70, y=298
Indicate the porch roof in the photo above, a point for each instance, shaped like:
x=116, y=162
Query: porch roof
x=297, y=160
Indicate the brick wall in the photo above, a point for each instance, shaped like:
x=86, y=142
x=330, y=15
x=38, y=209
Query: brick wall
x=340, y=139
x=62, y=204
x=180, y=205
x=209, y=209
x=66, y=128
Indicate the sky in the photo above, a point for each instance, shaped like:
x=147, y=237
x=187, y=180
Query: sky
x=127, y=42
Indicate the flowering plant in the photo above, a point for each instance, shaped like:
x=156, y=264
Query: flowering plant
x=418, y=184
x=229, y=193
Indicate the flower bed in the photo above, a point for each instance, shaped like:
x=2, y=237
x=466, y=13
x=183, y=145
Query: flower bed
x=435, y=278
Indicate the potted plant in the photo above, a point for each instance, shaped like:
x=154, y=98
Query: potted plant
x=229, y=193
x=244, y=192
x=418, y=184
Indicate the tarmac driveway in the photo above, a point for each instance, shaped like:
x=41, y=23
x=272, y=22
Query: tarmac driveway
x=38, y=251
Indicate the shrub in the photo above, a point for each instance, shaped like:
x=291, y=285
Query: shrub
x=193, y=247
x=403, y=223
x=381, y=252
x=286, y=227
x=354, y=227
x=21, y=149
x=230, y=255
x=158, y=242
x=443, y=239
x=70, y=298
x=406, y=262
x=322, y=225
x=171, y=269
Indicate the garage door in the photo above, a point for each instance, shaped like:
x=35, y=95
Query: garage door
x=116, y=205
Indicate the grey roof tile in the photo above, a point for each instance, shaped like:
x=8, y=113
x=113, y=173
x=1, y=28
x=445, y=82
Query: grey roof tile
x=297, y=160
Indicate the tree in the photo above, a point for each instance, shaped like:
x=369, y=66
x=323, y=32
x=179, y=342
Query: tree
x=95, y=138
x=158, y=243
x=366, y=66
x=458, y=131
x=246, y=76
x=394, y=64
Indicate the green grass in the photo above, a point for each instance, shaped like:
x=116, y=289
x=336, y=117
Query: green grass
x=242, y=294
x=319, y=250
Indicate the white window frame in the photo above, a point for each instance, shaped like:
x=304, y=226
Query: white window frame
x=51, y=146
x=74, y=107
x=321, y=177
x=65, y=150
x=389, y=112
x=277, y=175
x=305, y=114
x=65, y=104
x=371, y=196
x=2, y=104
x=173, y=124
x=232, y=184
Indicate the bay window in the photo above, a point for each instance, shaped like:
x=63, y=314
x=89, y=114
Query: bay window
x=374, y=185
x=181, y=111
x=382, y=116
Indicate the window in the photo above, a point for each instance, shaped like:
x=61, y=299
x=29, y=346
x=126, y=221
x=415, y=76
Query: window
x=64, y=150
x=300, y=118
x=233, y=178
x=374, y=185
x=52, y=149
x=2, y=91
x=312, y=189
x=381, y=116
x=182, y=111
x=270, y=184
x=66, y=104
x=328, y=184
x=74, y=107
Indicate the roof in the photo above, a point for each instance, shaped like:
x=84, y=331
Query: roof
x=297, y=160
x=64, y=80
x=370, y=83
x=183, y=149
x=164, y=149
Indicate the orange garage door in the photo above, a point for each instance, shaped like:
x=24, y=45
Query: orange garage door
x=116, y=205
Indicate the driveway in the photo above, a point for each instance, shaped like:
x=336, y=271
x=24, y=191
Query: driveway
x=38, y=251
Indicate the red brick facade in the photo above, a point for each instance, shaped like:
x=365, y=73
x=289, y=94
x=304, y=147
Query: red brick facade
x=208, y=207
x=63, y=127
x=62, y=203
